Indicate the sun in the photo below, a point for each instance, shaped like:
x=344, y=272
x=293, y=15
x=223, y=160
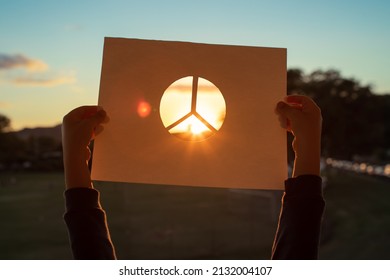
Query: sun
x=190, y=126
x=195, y=126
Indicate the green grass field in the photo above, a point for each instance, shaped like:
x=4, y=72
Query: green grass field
x=146, y=222
x=160, y=222
x=357, y=221
x=31, y=209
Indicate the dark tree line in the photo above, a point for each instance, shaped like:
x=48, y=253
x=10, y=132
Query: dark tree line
x=356, y=124
x=41, y=153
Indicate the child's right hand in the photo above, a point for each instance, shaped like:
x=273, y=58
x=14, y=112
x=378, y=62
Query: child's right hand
x=302, y=117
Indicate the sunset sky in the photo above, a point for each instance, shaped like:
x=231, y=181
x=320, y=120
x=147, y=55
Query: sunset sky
x=51, y=51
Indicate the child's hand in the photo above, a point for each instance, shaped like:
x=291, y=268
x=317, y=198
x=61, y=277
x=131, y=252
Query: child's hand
x=302, y=117
x=79, y=127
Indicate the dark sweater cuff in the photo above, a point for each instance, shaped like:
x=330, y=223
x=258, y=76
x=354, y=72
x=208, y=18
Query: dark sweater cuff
x=81, y=198
x=304, y=184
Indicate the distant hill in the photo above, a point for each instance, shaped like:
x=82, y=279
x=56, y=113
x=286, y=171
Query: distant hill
x=52, y=132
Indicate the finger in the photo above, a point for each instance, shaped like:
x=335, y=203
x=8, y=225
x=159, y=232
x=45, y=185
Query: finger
x=288, y=125
x=106, y=119
x=282, y=122
x=296, y=98
x=90, y=111
x=98, y=129
x=287, y=111
x=82, y=112
x=305, y=102
x=88, y=153
x=97, y=119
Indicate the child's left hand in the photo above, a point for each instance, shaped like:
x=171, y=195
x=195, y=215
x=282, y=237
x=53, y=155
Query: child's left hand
x=80, y=126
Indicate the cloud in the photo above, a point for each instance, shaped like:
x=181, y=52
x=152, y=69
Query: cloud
x=188, y=88
x=43, y=82
x=8, y=62
x=73, y=27
x=32, y=73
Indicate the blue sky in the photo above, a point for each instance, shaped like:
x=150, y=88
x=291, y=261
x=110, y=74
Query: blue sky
x=50, y=51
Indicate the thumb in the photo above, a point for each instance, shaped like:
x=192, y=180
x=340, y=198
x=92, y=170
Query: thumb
x=287, y=111
x=97, y=118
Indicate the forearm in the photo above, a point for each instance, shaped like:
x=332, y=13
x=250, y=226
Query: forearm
x=307, y=158
x=87, y=225
x=76, y=169
x=299, y=227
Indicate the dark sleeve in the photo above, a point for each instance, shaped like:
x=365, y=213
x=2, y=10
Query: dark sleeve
x=87, y=225
x=298, y=233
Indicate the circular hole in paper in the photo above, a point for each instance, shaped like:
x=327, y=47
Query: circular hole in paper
x=192, y=108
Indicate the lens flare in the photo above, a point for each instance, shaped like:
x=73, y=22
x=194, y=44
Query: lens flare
x=144, y=109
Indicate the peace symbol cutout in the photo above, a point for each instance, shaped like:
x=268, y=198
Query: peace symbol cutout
x=192, y=108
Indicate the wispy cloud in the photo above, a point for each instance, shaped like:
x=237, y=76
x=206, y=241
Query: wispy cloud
x=73, y=27
x=8, y=62
x=182, y=88
x=21, y=70
x=43, y=82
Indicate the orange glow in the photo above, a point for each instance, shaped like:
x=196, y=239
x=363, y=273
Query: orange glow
x=196, y=127
x=191, y=125
x=144, y=109
x=192, y=108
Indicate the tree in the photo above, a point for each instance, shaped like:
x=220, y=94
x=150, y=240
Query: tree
x=355, y=120
x=5, y=123
x=12, y=149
